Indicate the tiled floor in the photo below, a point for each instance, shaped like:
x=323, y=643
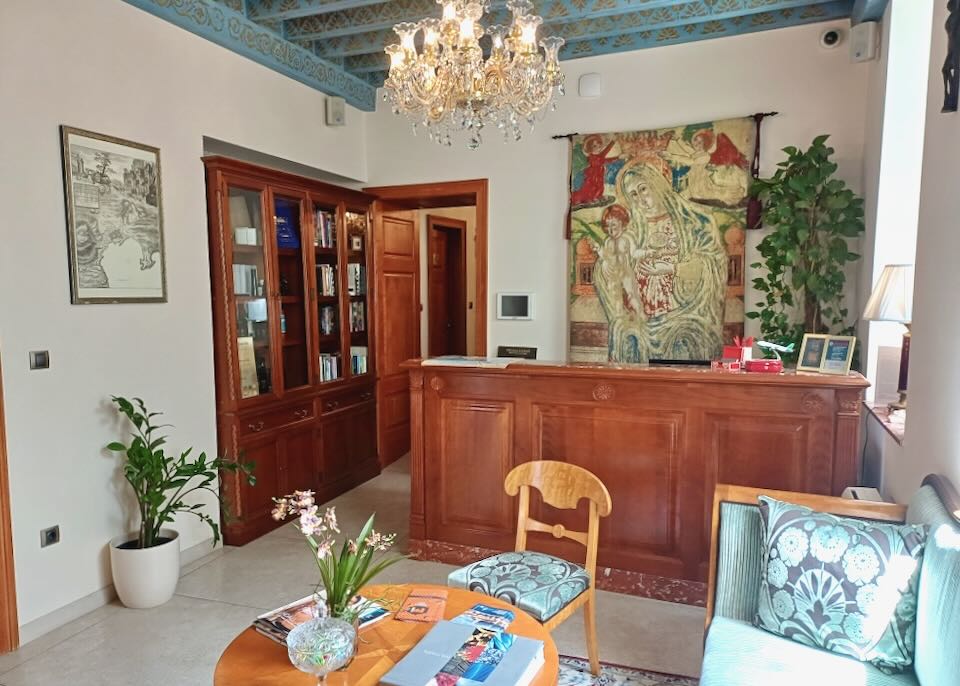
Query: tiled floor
x=179, y=644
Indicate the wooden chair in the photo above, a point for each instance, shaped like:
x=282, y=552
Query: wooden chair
x=518, y=577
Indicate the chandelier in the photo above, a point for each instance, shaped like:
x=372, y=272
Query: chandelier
x=450, y=86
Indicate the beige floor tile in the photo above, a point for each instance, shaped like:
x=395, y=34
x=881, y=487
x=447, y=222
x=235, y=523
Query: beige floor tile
x=222, y=592
x=178, y=643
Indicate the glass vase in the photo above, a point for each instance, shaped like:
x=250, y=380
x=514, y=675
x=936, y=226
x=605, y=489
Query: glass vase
x=322, y=645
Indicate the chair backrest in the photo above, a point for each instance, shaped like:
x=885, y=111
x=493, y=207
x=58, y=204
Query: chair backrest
x=563, y=486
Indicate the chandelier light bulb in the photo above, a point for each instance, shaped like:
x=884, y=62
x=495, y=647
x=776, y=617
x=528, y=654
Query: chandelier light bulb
x=450, y=86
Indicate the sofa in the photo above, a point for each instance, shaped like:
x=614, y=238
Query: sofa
x=736, y=653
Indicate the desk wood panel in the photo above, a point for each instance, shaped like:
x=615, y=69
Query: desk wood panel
x=660, y=439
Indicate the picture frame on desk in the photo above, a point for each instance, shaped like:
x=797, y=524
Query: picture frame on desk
x=826, y=354
x=838, y=355
x=811, y=352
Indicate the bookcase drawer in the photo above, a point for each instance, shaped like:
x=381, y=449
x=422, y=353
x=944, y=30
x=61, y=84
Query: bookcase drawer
x=267, y=421
x=345, y=399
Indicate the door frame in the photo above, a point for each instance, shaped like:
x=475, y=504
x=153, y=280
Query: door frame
x=9, y=625
x=450, y=194
x=436, y=222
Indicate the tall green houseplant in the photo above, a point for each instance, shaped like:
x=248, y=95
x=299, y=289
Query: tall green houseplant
x=162, y=482
x=811, y=217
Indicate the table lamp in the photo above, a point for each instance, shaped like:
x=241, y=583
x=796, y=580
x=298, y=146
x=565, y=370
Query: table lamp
x=892, y=301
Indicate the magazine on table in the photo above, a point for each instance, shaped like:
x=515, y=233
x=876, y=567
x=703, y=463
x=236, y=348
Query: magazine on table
x=276, y=624
x=486, y=617
x=459, y=654
x=423, y=605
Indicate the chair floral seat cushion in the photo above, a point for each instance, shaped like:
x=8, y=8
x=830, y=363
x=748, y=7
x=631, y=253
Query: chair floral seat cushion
x=539, y=584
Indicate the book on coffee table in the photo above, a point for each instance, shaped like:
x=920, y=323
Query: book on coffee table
x=465, y=655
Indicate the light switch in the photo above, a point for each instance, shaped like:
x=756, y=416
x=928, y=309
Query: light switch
x=39, y=359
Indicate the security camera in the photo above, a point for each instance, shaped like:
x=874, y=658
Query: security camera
x=831, y=38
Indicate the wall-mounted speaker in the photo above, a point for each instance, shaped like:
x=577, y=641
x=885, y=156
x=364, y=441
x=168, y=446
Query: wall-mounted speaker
x=864, y=41
x=336, y=111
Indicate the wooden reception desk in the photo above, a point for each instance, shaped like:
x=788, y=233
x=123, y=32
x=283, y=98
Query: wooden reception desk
x=658, y=437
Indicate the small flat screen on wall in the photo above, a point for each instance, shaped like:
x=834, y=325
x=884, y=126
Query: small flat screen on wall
x=514, y=306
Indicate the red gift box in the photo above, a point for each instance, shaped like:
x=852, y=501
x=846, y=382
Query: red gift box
x=742, y=349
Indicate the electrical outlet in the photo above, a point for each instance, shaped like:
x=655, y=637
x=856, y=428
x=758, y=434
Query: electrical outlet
x=50, y=536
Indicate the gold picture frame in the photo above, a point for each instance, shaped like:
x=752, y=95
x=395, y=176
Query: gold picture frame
x=114, y=211
x=826, y=354
x=838, y=355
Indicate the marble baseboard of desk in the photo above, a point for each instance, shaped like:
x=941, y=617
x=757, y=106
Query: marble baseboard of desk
x=616, y=580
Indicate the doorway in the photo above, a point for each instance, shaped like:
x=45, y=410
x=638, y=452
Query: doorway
x=446, y=286
x=9, y=631
x=398, y=256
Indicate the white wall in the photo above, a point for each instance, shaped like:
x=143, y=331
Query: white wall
x=893, y=156
x=816, y=91
x=932, y=442
x=468, y=215
x=106, y=66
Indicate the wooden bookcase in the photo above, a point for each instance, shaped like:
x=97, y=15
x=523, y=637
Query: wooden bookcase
x=293, y=344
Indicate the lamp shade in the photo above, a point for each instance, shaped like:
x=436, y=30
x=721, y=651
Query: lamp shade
x=892, y=297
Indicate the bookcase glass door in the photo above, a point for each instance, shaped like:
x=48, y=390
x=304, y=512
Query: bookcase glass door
x=358, y=307
x=292, y=287
x=254, y=345
x=326, y=247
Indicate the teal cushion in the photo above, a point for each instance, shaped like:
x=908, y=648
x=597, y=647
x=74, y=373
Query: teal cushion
x=539, y=584
x=845, y=585
x=740, y=550
x=739, y=654
x=938, y=603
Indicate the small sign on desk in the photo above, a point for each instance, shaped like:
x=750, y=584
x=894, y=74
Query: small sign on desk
x=519, y=351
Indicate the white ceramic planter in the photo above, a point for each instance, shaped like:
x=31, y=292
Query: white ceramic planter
x=146, y=577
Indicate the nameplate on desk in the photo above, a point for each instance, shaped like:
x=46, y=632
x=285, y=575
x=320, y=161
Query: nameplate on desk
x=518, y=351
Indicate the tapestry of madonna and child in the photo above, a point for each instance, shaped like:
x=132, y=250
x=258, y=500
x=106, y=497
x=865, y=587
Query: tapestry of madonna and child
x=657, y=227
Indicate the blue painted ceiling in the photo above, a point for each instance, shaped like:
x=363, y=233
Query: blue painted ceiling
x=337, y=46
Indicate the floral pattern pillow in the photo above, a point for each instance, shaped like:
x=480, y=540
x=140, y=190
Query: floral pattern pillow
x=845, y=585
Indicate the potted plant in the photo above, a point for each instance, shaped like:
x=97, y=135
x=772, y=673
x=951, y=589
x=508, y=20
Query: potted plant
x=328, y=642
x=146, y=563
x=811, y=217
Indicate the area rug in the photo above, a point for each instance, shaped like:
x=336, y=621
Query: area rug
x=576, y=672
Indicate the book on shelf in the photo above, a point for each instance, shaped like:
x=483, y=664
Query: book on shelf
x=245, y=280
x=358, y=316
x=356, y=279
x=288, y=234
x=247, y=361
x=358, y=359
x=466, y=655
x=327, y=279
x=329, y=366
x=277, y=624
x=326, y=227
x=423, y=605
x=328, y=320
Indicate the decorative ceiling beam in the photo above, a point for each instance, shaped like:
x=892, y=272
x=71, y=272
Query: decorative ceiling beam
x=868, y=10
x=385, y=15
x=283, y=10
x=628, y=28
x=231, y=29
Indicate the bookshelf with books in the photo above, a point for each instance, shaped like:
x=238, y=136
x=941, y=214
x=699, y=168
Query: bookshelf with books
x=292, y=336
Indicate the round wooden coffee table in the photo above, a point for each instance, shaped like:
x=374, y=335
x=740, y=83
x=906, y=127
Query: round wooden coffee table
x=252, y=659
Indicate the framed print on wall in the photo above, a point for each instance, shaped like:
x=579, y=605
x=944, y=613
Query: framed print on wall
x=811, y=352
x=114, y=219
